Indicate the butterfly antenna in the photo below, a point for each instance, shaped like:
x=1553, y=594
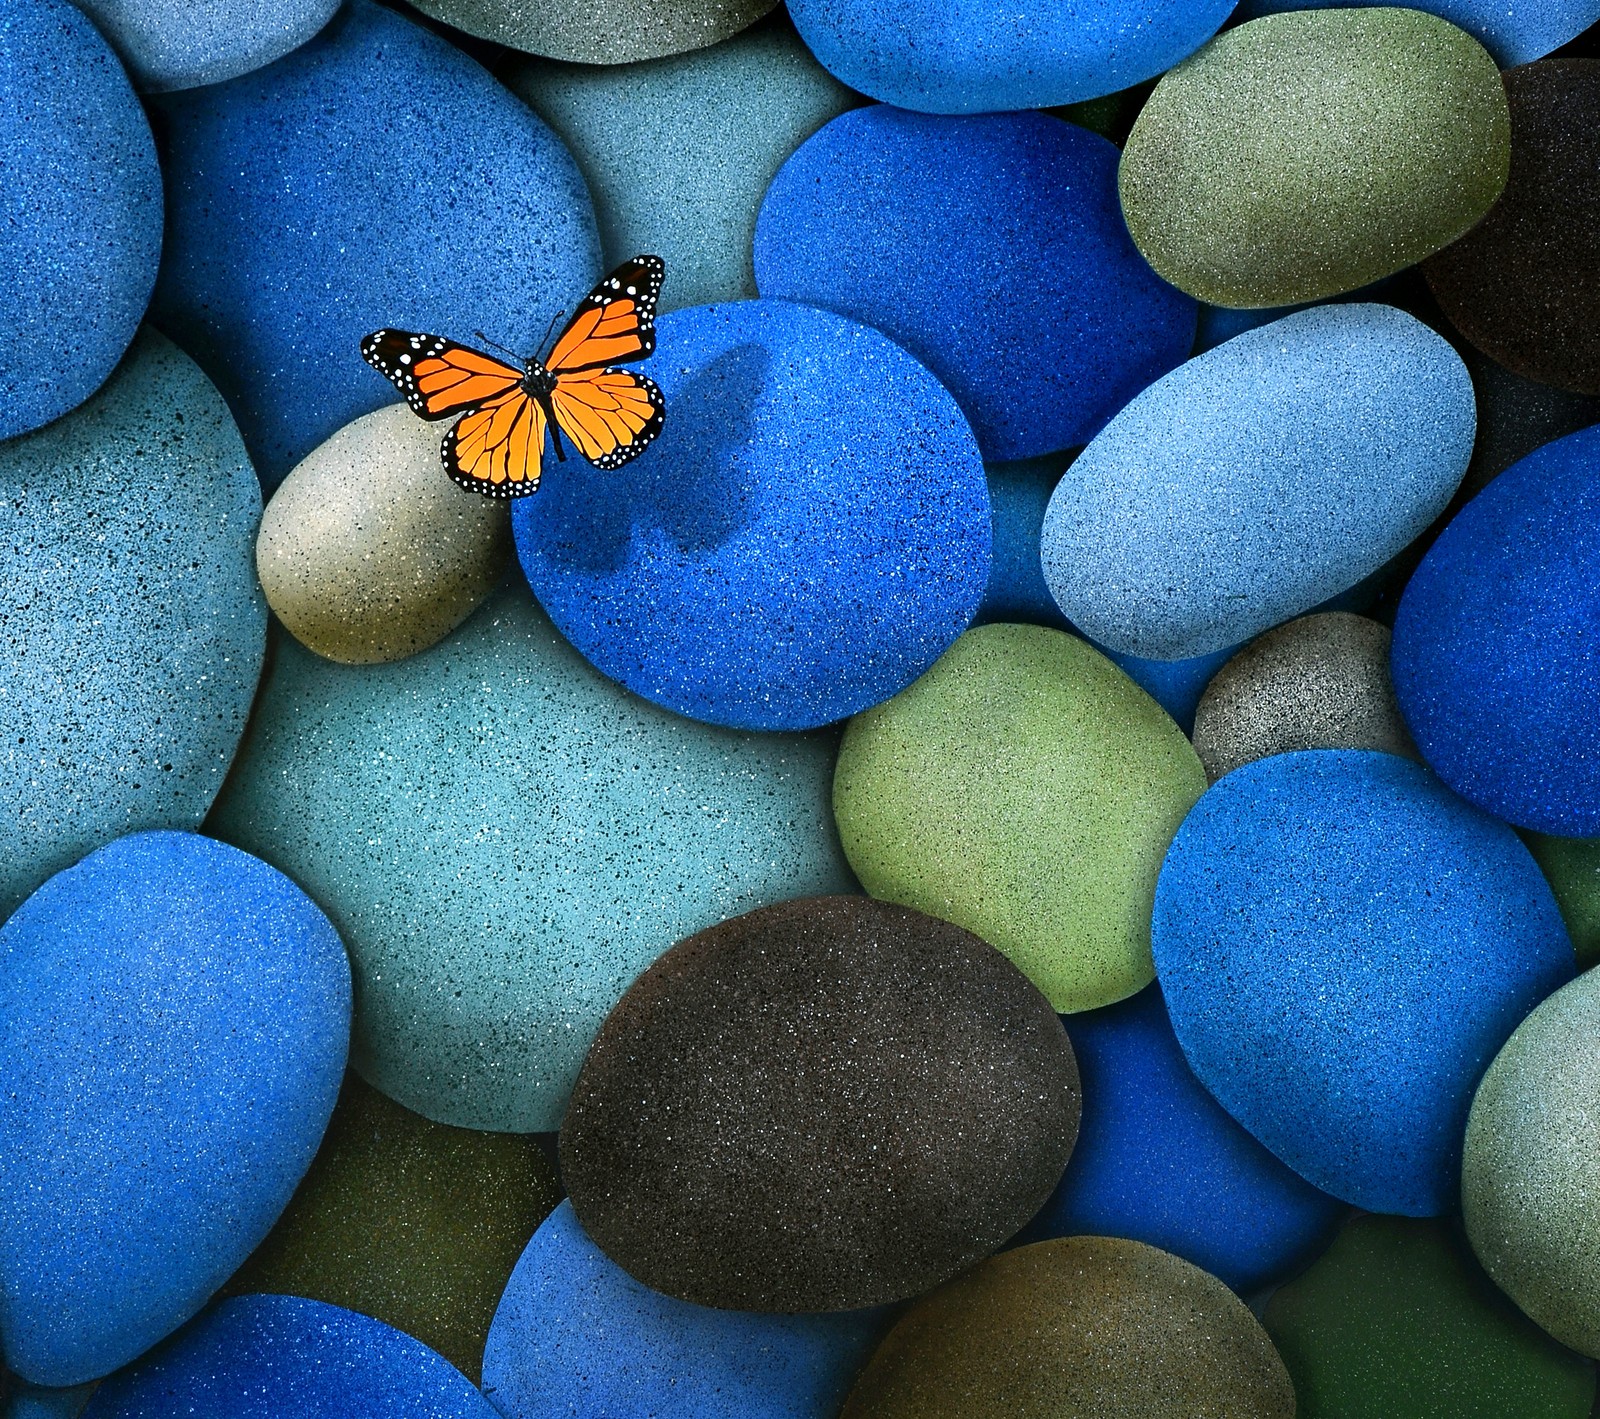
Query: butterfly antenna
x=550, y=327
x=501, y=348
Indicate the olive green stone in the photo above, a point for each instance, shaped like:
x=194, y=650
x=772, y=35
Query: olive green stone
x=1026, y=789
x=1305, y=154
x=1396, y=1318
x=1078, y=1328
x=1572, y=867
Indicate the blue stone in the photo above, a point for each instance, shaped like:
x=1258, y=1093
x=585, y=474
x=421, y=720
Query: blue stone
x=1175, y=685
x=809, y=533
x=575, y=1333
x=1018, y=496
x=376, y=177
x=1344, y=945
x=82, y=235
x=1496, y=653
x=172, y=1035
x=35, y=1402
x=1011, y=276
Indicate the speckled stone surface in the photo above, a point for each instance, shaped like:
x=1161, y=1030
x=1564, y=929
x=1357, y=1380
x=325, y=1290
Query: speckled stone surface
x=1343, y=944
x=1397, y=1319
x=1319, y=682
x=678, y=152
x=608, y=32
x=82, y=235
x=1026, y=789
x=172, y=1033
x=1524, y=286
x=127, y=530
x=416, y=1223
x=807, y=535
x=35, y=1402
x=1175, y=685
x=1077, y=1327
x=505, y=839
x=925, y=1107
x=1305, y=154
x=575, y=1331
x=368, y=552
x=1572, y=868
x=1025, y=232
x=1330, y=439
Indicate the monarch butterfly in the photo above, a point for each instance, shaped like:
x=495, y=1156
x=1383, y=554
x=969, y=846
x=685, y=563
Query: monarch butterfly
x=497, y=446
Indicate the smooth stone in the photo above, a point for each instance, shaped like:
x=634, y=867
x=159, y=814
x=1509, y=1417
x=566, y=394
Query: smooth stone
x=1524, y=285
x=696, y=1166
x=1081, y=1326
x=1024, y=229
x=1159, y=1161
x=1495, y=660
x=172, y=1033
x=1319, y=682
x=283, y=1357
x=785, y=554
x=1343, y=945
x=1330, y=440
x=82, y=237
x=1175, y=685
x=506, y=839
x=283, y=176
x=128, y=528
x=575, y=1330
x=368, y=552
x=931, y=56
x=1396, y=1318
x=1025, y=789
x=677, y=152
x=1018, y=495
x=40, y=1402
x=1572, y=868
x=1306, y=154
x=415, y=1223
x=1531, y=1166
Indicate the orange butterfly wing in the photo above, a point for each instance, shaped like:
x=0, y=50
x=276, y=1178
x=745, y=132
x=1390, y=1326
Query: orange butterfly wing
x=615, y=323
x=611, y=415
x=497, y=449
x=437, y=376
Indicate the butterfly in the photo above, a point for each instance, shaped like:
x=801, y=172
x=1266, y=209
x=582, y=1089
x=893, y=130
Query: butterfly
x=497, y=446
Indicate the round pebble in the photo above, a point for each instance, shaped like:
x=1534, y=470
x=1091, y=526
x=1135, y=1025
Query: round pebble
x=1330, y=440
x=807, y=535
x=1081, y=1326
x=575, y=1331
x=927, y=1103
x=505, y=840
x=82, y=236
x=1025, y=789
x=1306, y=154
x=172, y=1033
x=368, y=552
x=132, y=609
x=1024, y=230
x=1572, y=868
x=1495, y=660
x=1343, y=945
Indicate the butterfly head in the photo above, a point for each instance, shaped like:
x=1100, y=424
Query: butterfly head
x=537, y=382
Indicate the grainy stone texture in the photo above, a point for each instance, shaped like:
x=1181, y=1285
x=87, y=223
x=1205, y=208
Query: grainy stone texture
x=1572, y=868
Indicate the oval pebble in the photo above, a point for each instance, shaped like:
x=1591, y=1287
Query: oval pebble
x=1025, y=233
x=1307, y=154
x=1343, y=945
x=697, y=1167
x=1495, y=660
x=1330, y=439
x=505, y=840
x=368, y=552
x=575, y=1330
x=310, y=167
x=1025, y=789
x=1572, y=868
x=127, y=528
x=82, y=237
x=807, y=535
x=1080, y=1326
x=172, y=1033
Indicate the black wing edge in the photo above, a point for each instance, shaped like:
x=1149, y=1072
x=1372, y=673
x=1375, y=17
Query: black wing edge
x=642, y=440
x=384, y=351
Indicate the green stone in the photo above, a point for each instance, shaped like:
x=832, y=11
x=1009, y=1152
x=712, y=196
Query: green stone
x=1572, y=867
x=1310, y=153
x=1026, y=789
x=1396, y=1318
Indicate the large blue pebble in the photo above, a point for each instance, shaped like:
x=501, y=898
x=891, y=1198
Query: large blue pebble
x=575, y=1335
x=1496, y=651
x=81, y=237
x=376, y=177
x=808, y=534
x=1344, y=945
x=173, y=1031
x=993, y=248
